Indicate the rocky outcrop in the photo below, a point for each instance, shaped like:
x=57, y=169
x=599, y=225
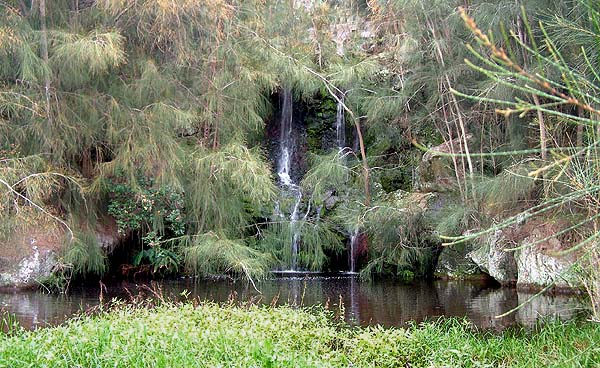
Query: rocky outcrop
x=494, y=260
x=29, y=255
x=531, y=264
x=534, y=264
x=542, y=264
x=30, y=270
x=438, y=172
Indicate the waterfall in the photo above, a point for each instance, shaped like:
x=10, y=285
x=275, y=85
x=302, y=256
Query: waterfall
x=354, y=237
x=286, y=139
x=284, y=167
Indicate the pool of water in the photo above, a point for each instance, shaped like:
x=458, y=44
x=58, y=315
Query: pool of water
x=385, y=302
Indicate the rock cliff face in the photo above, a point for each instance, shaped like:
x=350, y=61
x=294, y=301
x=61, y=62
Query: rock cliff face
x=533, y=264
x=492, y=258
x=30, y=270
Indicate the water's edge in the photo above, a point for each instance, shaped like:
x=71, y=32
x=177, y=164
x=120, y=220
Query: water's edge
x=385, y=302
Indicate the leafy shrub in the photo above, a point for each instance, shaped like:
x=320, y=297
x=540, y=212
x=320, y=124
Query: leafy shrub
x=143, y=205
x=151, y=210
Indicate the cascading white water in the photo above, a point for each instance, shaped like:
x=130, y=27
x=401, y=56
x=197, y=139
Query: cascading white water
x=286, y=138
x=354, y=237
x=284, y=165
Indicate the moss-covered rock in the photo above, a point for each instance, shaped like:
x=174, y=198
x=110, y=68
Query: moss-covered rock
x=454, y=263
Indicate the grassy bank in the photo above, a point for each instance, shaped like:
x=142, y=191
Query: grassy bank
x=217, y=336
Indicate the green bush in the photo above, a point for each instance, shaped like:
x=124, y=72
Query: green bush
x=142, y=205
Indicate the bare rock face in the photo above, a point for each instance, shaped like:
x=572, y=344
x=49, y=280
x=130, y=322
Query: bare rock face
x=30, y=270
x=494, y=260
x=29, y=256
x=541, y=264
x=534, y=264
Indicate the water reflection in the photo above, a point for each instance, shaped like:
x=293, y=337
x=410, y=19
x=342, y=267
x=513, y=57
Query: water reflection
x=383, y=302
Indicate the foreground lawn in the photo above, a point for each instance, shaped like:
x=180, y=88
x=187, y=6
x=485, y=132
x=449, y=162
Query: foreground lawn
x=216, y=336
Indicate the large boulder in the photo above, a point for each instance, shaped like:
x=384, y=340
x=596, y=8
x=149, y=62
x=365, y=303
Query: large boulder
x=491, y=256
x=541, y=264
x=533, y=264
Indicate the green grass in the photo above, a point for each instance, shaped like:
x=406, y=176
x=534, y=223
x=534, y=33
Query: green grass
x=210, y=335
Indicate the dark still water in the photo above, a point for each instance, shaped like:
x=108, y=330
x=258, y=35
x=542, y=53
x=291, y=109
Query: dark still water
x=389, y=303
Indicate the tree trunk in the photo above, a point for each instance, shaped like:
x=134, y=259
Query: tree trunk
x=463, y=130
x=44, y=55
x=365, y=164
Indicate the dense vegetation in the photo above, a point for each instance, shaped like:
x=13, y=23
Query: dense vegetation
x=154, y=115
x=210, y=335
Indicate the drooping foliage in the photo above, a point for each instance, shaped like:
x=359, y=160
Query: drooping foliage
x=152, y=113
x=155, y=114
